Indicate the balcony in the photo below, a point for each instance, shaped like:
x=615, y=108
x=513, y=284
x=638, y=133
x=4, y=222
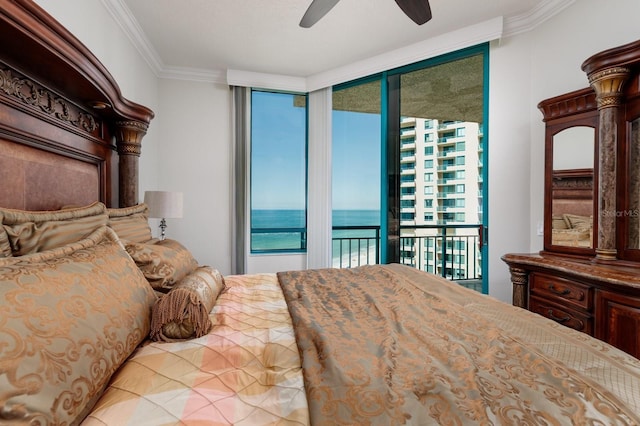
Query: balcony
x=438, y=249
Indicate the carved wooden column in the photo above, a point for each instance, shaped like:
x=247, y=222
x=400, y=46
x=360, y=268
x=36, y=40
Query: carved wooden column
x=129, y=136
x=520, y=281
x=607, y=83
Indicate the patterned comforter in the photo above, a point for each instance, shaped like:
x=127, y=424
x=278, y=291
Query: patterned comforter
x=390, y=345
x=380, y=345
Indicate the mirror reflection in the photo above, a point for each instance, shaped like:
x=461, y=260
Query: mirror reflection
x=572, y=187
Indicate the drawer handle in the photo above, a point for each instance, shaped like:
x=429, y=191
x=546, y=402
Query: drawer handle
x=564, y=292
x=557, y=319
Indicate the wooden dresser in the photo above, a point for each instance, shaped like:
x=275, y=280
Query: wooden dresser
x=602, y=300
x=588, y=275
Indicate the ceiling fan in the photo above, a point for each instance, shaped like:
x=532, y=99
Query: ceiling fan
x=418, y=10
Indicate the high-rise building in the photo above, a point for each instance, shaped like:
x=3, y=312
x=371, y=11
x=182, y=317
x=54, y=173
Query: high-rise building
x=441, y=195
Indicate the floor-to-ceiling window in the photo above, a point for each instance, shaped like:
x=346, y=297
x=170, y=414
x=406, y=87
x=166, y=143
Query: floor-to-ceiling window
x=432, y=118
x=442, y=127
x=278, y=160
x=356, y=153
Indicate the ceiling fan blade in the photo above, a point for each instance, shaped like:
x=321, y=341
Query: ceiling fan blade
x=418, y=10
x=317, y=9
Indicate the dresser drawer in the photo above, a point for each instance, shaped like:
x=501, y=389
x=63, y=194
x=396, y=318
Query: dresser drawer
x=562, y=291
x=580, y=321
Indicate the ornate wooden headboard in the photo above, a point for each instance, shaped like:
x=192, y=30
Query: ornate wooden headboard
x=67, y=135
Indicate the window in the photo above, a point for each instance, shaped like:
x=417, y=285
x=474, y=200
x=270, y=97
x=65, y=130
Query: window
x=460, y=188
x=428, y=217
x=460, y=160
x=428, y=190
x=408, y=153
x=408, y=178
x=407, y=216
x=278, y=172
x=428, y=203
x=428, y=164
x=408, y=166
x=428, y=177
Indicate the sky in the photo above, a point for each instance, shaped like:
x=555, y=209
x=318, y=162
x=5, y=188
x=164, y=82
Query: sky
x=278, y=153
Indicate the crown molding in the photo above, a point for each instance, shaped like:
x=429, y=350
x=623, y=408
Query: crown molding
x=536, y=16
x=194, y=74
x=124, y=18
x=486, y=31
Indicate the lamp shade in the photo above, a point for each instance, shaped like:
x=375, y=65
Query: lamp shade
x=164, y=204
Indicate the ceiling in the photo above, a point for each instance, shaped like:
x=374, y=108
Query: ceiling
x=209, y=37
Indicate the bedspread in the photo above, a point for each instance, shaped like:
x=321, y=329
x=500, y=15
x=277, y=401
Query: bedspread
x=246, y=371
x=389, y=345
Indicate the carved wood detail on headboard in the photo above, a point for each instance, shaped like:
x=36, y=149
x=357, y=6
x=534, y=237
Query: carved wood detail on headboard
x=56, y=97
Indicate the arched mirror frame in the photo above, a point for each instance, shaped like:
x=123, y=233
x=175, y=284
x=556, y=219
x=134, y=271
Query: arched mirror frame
x=561, y=113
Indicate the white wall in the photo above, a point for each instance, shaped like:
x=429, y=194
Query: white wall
x=194, y=121
x=189, y=143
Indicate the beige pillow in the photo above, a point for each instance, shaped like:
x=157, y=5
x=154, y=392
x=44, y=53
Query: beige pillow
x=183, y=313
x=558, y=222
x=70, y=317
x=131, y=223
x=580, y=223
x=5, y=246
x=34, y=231
x=163, y=262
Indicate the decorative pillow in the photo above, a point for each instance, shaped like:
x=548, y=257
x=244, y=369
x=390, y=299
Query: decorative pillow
x=581, y=223
x=183, y=313
x=70, y=317
x=558, y=222
x=131, y=223
x=5, y=246
x=163, y=262
x=34, y=231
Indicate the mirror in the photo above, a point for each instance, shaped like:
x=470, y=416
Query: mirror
x=572, y=187
x=632, y=213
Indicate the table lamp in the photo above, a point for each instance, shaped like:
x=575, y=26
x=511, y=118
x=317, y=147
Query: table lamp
x=163, y=205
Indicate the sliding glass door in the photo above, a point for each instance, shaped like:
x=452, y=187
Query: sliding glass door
x=412, y=140
x=441, y=145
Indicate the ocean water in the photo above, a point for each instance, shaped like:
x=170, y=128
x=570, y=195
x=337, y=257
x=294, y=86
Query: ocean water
x=285, y=228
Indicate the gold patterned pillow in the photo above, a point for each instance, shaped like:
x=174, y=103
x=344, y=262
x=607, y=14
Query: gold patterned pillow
x=581, y=223
x=70, y=317
x=131, y=223
x=163, y=262
x=5, y=246
x=34, y=231
x=183, y=313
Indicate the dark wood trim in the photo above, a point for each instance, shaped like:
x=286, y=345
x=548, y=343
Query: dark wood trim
x=59, y=97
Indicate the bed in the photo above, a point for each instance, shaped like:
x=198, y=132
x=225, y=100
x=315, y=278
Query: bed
x=101, y=324
x=572, y=207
